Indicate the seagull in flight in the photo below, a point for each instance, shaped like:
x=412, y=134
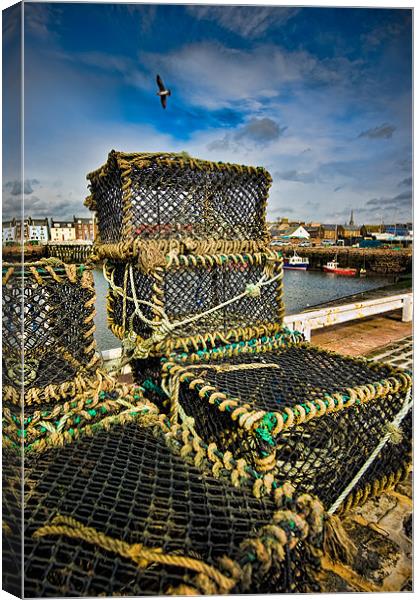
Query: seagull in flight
x=163, y=92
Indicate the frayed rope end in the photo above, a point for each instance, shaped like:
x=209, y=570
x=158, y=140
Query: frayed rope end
x=336, y=543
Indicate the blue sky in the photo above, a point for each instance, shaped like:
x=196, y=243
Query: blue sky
x=320, y=97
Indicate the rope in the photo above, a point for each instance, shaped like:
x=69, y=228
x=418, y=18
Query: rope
x=408, y=403
x=121, y=292
x=176, y=410
x=139, y=554
x=244, y=367
x=164, y=327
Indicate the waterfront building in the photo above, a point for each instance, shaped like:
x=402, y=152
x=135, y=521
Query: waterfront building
x=62, y=231
x=84, y=228
x=38, y=230
x=275, y=232
x=22, y=230
x=8, y=231
x=351, y=232
x=371, y=229
x=314, y=232
x=297, y=232
x=331, y=231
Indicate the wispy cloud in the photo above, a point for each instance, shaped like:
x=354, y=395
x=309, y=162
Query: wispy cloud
x=124, y=67
x=405, y=198
x=246, y=21
x=294, y=175
x=379, y=35
x=383, y=131
x=40, y=19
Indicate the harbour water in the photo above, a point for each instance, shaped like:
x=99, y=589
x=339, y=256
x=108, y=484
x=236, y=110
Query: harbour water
x=302, y=290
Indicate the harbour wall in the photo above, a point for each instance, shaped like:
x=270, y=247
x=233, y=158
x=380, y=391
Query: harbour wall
x=380, y=261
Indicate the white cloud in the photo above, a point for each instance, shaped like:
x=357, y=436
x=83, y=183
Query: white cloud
x=250, y=21
x=75, y=153
x=213, y=76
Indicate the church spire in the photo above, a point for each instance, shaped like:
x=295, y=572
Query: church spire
x=352, y=222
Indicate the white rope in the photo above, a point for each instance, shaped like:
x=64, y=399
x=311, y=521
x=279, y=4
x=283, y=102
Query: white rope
x=136, y=301
x=165, y=326
x=248, y=292
x=121, y=293
x=396, y=422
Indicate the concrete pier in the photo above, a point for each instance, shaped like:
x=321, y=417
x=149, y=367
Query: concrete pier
x=330, y=315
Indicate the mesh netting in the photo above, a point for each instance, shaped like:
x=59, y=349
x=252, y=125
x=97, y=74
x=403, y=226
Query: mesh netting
x=147, y=372
x=128, y=487
x=312, y=416
x=189, y=287
x=85, y=414
x=12, y=475
x=54, y=328
x=167, y=196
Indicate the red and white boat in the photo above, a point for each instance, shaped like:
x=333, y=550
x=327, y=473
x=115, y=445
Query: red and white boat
x=333, y=267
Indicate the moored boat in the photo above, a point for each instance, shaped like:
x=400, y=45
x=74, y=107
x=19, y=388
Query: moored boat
x=296, y=262
x=333, y=267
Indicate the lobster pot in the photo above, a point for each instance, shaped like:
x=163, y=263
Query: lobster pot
x=12, y=555
x=148, y=372
x=310, y=416
x=48, y=312
x=121, y=513
x=85, y=414
x=166, y=196
x=195, y=301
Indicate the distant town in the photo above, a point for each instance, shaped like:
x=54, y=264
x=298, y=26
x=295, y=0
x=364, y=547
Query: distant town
x=283, y=231
x=42, y=231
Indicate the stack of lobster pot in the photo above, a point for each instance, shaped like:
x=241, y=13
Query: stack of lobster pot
x=185, y=250
x=196, y=296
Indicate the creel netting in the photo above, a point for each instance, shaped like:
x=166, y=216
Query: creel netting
x=128, y=485
x=57, y=324
x=321, y=455
x=187, y=290
x=167, y=196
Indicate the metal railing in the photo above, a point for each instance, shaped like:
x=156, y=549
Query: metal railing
x=327, y=316
x=333, y=315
